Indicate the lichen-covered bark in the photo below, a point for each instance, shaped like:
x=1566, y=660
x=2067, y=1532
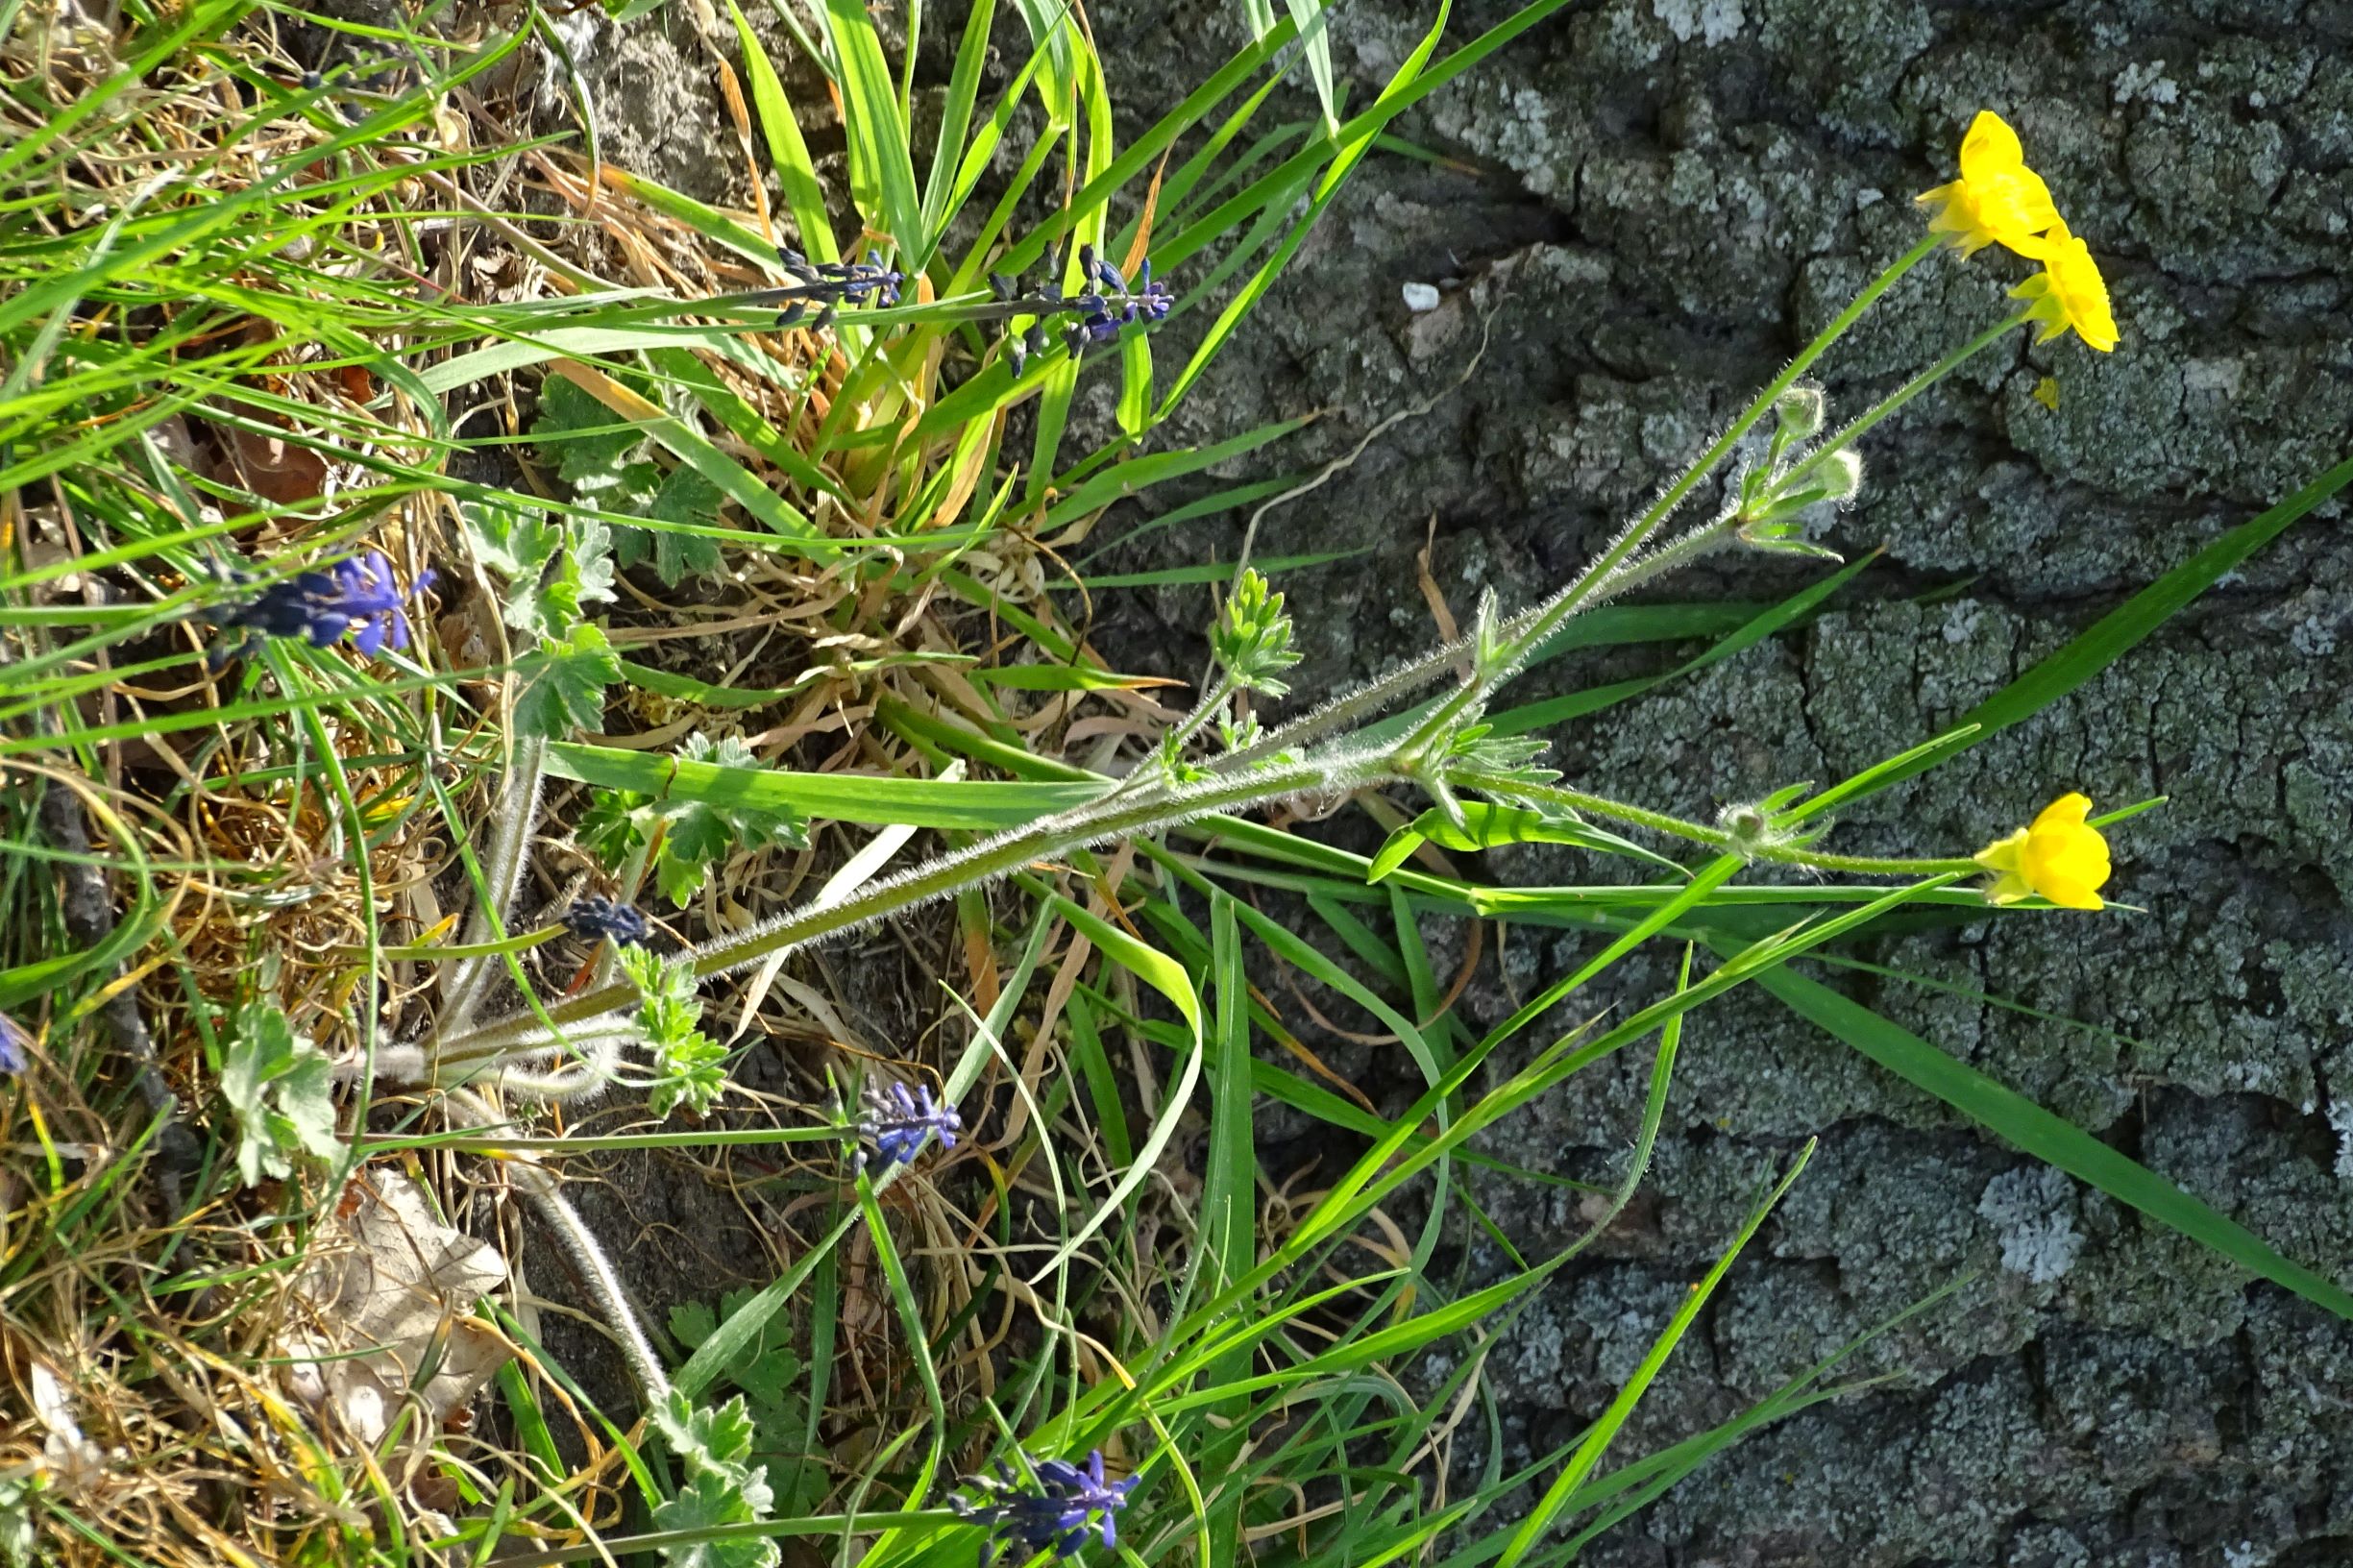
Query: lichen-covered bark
x=1666, y=197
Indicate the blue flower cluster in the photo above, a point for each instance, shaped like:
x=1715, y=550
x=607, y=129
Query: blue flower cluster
x=16, y=1045
x=357, y=598
x=828, y=286
x=1107, y=304
x=899, y=1119
x=1055, y=1511
x=856, y=279
x=593, y=917
x=1148, y=301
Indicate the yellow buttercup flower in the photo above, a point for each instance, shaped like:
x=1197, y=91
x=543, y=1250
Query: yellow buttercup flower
x=1997, y=200
x=2060, y=857
x=2068, y=292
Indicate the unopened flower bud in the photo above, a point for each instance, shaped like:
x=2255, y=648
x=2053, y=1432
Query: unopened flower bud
x=1748, y=824
x=1842, y=476
x=1802, y=410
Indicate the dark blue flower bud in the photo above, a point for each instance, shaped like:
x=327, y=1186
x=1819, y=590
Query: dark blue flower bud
x=623, y=923
x=16, y=1047
x=1055, y=1510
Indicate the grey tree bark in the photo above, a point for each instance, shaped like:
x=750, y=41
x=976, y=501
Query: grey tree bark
x=1661, y=201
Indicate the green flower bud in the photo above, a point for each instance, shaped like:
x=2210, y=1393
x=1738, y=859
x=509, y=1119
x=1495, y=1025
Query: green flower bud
x=1802, y=410
x=1841, y=476
x=1749, y=825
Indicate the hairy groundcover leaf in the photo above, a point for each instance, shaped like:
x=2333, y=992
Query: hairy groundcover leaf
x=282, y=1089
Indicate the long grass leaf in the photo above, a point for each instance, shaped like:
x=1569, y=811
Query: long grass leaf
x=1604, y=1431
x=2123, y=627
x=2012, y=1116
x=787, y=153
x=846, y=797
x=1167, y=976
x=882, y=170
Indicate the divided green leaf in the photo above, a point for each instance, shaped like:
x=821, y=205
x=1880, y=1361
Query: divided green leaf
x=692, y=1067
x=695, y=834
x=610, y=466
x=282, y=1091
x=712, y=1444
x=550, y=580
x=563, y=684
x=603, y=459
x=767, y=1369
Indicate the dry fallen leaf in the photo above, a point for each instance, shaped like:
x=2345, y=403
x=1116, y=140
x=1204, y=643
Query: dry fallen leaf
x=400, y=1287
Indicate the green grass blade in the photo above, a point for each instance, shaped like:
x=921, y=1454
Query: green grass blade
x=2021, y=1121
x=1313, y=17
x=1094, y=1069
x=910, y=1311
x=1165, y=975
x=1604, y=1431
x=1229, y=1194
x=2122, y=629
x=1530, y=715
x=787, y=153
x=948, y=153
x=882, y=170
x=1122, y=171
x=1134, y=476
x=847, y=797
x=1354, y=142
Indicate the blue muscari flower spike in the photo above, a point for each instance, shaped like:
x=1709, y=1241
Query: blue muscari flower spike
x=859, y=278
x=830, y=286
x=1052, y=1512
x=898, y=1119
x=357, y=598
x=1100, y=321
x=594, y=918
x=1106, y=304
x=16, y=1047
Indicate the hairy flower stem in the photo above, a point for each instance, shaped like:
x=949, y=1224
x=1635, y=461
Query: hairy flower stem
x=469, y=980
x=539, y=1188
x=1715, y=838
x=1203, y=712
x=960, y=872
x=1580, y=592
x=1672, y=495
x=1148, y=775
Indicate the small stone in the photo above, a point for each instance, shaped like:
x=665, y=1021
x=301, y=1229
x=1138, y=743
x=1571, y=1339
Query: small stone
x=1421, y=298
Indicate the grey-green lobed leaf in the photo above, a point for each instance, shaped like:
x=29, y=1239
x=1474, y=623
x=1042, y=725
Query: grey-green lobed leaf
x=282, y=1091
x=563, y=684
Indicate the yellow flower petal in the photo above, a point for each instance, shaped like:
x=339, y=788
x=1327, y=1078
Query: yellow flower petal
x=1989, y=147
x=1997, y=200
x=2068, y=293
x=2061, y=858
x=2002, y=857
